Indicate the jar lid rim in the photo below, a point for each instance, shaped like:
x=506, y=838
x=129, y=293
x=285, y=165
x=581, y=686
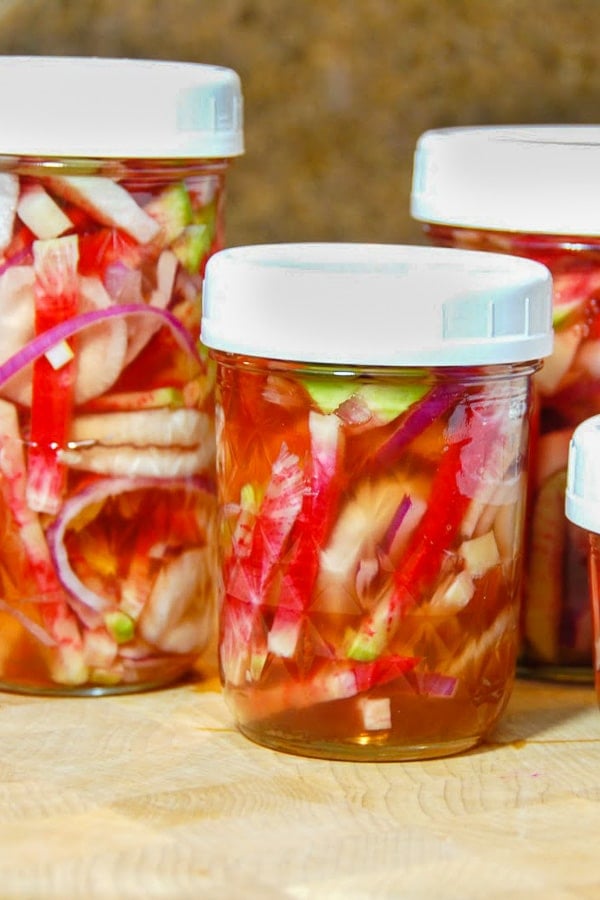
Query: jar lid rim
x=514, y=178
x=582, y=496
x=377, y=304
x=101, y=107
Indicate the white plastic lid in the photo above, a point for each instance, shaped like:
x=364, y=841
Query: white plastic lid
x=582, y=502
x=541, y=179
x=377, y=304
x=97, y=107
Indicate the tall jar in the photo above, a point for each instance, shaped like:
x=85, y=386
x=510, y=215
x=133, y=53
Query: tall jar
x=373, y=408
x=529, y=191
x=112, y=177
x=582, y=507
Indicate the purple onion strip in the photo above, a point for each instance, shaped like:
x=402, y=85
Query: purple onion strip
x=48, y=339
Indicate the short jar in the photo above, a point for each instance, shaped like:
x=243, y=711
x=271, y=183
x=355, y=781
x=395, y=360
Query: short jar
x=583, y=510
x=527, y=191
x=373, y=406
x=112, y=177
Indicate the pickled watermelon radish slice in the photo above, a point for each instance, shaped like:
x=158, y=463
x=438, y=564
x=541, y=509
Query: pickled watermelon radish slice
x=58, y=620
x=309, y=533
x=56, y=300
x=106, y=202
x=421, y=563
x=254, y=557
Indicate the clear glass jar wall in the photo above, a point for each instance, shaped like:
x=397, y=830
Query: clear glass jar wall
x=373, y=615
x=107, y=462
x=557, y=617
x=525, y=191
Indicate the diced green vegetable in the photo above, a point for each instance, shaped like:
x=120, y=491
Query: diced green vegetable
x=385, y=401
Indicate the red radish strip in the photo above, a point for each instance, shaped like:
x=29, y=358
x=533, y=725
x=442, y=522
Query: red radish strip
x=97, y=493
x=56, y=301
x=254, y=559
x=57, y=617
x=44, y=342
x=310, y=532
x=420, y=564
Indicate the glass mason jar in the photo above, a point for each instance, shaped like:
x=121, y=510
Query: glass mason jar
x=372, y=427
x=526, y=191
x=112, y=177
x=583, y=510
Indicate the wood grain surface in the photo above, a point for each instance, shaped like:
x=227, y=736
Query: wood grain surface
x=157, y=796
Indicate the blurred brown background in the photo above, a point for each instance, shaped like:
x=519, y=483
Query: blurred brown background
x=337, y=92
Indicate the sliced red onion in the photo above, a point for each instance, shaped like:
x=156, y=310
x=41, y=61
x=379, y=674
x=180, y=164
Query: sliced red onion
x=48, y=339
x=435, y=684
x=96, y=493
x=415, y=420
x=397, y=519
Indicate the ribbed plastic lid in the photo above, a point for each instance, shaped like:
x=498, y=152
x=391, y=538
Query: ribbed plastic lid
x=582, y=503
x=377, y=304
x=99, y=107
x=540, y=179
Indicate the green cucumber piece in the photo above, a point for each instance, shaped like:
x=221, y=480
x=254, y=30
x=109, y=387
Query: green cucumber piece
x=192, y=246
x=172, y=209
x=386, y=401
x=120, y=626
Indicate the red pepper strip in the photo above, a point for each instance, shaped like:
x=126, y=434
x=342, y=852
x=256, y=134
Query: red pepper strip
x=253, y=562
x=58, y=619
x=309, y=534
x=333, y=680
x=56, y=300
x=422, y=559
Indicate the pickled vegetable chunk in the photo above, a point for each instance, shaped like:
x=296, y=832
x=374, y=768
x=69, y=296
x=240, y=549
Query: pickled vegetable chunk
x=107, y=482
x=371, y=563
x=557, y=621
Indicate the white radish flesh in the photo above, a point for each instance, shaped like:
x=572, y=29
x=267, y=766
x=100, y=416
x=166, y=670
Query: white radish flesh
x=41, y=214
x=9, y=195
x=180, y=598
x=144, y=428
x=107, y=202
x=151, y=462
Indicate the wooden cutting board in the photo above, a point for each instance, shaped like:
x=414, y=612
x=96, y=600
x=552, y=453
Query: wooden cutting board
x=157, y=796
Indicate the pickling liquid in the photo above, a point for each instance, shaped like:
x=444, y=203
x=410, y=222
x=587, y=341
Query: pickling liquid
x=107, y=483
x=557, y=632
x=371, y=548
